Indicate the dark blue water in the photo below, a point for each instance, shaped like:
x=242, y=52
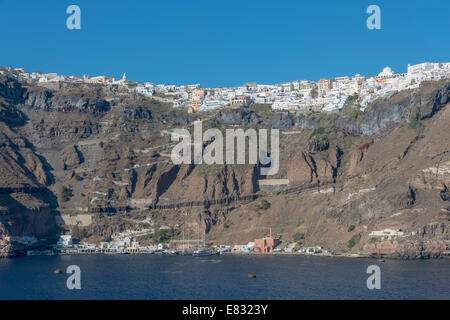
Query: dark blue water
x=221, y=277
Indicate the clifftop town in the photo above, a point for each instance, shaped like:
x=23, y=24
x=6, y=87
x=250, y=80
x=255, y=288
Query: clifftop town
x=325, y=95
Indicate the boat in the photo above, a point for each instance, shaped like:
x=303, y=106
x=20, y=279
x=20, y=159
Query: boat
x=202, y=252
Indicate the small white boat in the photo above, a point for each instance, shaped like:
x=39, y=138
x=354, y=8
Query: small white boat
x=202, y=252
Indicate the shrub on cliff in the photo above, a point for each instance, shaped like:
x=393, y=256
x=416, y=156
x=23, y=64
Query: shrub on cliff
x=353, y=98
x=107, y=239
x=354, y=240
x=416, y=123
x=356, y=113
x=318, y=143
x=66, y=193
x=298, y=236
x=317, y=132
x=263, y=205
x=163, y=235
x=155, y=214
x=78, y=232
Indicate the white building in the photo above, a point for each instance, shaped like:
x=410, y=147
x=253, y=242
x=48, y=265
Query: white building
x=387, y=233
x=145, y=90
x=208, y=105
x=335, y=103
x=387, y=72
x=64, y=240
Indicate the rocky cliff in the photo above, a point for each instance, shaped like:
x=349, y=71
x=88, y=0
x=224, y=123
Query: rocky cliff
x=71, y=150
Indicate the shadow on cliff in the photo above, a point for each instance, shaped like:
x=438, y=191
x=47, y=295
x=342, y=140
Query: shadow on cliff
x=29, y=210
x=20, y=220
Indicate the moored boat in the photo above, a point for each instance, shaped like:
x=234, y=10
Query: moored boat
x=202, y=252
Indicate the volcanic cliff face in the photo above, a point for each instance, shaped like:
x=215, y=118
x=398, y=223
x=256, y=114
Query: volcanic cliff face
x=25, y=202
x=99, y=157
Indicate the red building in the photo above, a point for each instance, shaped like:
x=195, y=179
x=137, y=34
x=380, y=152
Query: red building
x=325, y=85
x=266, y=244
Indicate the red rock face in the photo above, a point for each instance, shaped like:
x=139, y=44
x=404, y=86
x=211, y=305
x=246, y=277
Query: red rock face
x=313, y=167
x=112, y=149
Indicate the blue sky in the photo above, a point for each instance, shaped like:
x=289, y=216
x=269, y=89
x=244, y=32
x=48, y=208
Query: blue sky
x=222, y=43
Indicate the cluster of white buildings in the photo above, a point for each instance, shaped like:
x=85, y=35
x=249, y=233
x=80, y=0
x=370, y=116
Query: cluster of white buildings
x=325, y=95
x=121, y=243
x=331, y=94
x=388, y=81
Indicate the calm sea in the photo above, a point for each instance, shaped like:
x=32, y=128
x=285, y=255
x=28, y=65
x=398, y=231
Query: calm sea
x=221, y=277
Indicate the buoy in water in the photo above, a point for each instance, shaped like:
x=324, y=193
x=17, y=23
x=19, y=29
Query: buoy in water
x=252, y=276
x=57, y=271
